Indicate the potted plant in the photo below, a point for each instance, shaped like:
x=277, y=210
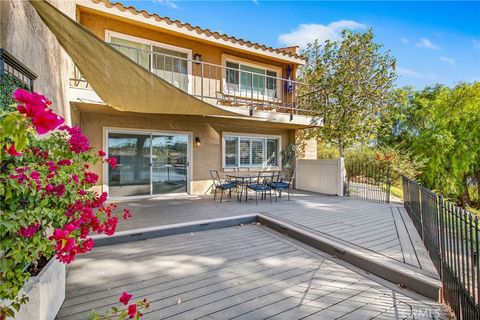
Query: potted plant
x=47, y=210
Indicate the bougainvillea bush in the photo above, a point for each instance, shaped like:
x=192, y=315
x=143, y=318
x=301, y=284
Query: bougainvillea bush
x=47, y=208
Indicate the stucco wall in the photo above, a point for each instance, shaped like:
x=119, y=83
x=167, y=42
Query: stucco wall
x=209, y=130
x=24, y=35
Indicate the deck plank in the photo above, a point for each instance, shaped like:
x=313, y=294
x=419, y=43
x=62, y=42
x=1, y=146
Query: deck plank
x=267, y=275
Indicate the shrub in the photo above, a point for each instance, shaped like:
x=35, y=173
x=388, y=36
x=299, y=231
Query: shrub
x=46, y=206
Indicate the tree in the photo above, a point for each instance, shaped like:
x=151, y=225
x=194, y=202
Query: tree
x=348, y=83
x=441, y=126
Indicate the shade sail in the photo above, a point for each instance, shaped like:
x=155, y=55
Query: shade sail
x=118, y=81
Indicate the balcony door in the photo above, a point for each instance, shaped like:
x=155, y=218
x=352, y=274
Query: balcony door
x=148, y=163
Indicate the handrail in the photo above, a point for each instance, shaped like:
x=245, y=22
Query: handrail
x=208, y=82
x=201, y=62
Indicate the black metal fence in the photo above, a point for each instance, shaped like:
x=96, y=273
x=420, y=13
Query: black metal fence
x=451, y=236
x=368, y=181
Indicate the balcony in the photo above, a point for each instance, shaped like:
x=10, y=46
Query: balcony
x=217, y=84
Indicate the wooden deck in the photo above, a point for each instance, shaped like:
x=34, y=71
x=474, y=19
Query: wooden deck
x=385, y=229
x=246, y=272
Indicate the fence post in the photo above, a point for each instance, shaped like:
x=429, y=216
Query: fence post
x=442, y=233
x=341, y=177
x=388, y=183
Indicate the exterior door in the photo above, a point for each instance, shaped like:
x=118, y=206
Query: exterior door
x=131, y=177
x=147, y=164
x=169, y=163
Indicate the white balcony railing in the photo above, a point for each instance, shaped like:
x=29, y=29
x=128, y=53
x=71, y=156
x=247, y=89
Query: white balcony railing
x=216, y=84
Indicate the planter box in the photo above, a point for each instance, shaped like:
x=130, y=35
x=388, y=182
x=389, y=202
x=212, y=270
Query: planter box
x=46, y=292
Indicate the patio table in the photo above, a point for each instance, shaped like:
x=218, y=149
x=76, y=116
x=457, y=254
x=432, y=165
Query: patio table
x=244, y=178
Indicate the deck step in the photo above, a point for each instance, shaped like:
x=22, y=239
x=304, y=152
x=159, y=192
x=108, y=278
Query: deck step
x=415, y=279
x=173, y=229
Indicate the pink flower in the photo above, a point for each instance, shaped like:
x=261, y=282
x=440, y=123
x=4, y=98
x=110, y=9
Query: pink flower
x=82, y=192
x=132, y=310
x=12, y=151
x=90, y=178
x=101, y=153
x=78, y=142
x=29, y=231
x=46, y=121
x=34, y=106
x=65, y=162
x=125, y=297
x=112, y=162
x=126, y=214
x=75, y=178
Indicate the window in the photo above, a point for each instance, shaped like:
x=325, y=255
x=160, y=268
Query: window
x=251, y=81
x=166, y=61
x=136, y=51
x=250, y=151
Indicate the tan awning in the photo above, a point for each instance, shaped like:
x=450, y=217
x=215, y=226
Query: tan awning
x=117, y=80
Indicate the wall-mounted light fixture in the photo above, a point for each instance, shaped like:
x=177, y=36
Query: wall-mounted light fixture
x=197, y=57
x=197, y=142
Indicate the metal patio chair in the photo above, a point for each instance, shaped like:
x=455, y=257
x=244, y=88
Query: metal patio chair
x=262, y=184
x=218, y=184
x=283, y=183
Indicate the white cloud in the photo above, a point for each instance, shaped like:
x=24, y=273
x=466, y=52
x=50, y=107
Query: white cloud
x=415, y=74
x=168, y=3
x=425, y=43
x=308, y=33
x=476, y=43
x=404, y=40
x=448, y=60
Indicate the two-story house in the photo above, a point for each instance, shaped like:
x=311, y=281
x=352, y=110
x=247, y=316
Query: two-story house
x=228, y=103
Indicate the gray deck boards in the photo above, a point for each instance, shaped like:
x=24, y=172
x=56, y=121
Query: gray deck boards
x=245, y=272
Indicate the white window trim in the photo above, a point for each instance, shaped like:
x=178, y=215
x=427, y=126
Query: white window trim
x=110, y=33
x=229, y=58
x=252, y=136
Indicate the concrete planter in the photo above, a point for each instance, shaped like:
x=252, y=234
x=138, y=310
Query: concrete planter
x=46, y=292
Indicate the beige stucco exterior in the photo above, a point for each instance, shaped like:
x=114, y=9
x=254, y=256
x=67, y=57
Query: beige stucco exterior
x=25, y=36
x=94, y=120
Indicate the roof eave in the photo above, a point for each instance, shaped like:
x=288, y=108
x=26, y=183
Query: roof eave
x=153, y=20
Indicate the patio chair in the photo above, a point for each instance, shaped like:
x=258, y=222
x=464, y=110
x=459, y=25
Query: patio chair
x=218, y=184
x=262, y=184
x=283, y=182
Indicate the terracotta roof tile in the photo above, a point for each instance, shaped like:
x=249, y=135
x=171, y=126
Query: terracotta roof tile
x=207, y=32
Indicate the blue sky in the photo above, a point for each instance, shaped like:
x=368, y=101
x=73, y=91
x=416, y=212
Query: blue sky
x=434, y=42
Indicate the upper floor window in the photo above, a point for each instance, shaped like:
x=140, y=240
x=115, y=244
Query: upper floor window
x=250, y=151
x=168, y=62
x=249, y=81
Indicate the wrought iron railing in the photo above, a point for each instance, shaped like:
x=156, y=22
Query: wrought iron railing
x=368, y=181
x=451, y=236
x=11, y=66
x=217, y=84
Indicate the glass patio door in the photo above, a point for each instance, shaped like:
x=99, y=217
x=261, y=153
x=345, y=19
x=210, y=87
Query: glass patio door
x=169, y=164
x=147, y=164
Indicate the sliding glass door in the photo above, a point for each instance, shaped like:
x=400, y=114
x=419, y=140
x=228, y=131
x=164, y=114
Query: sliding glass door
x=147, y=164
x=169, y=163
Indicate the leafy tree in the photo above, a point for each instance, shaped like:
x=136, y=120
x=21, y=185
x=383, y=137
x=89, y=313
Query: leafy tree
x=440, y=125
x=349, y=83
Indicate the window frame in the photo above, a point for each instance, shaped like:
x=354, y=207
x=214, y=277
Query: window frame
x=267, y=68
x=151, y=43
x=251, y=137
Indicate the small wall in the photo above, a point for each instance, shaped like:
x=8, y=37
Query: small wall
x=322, y=176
